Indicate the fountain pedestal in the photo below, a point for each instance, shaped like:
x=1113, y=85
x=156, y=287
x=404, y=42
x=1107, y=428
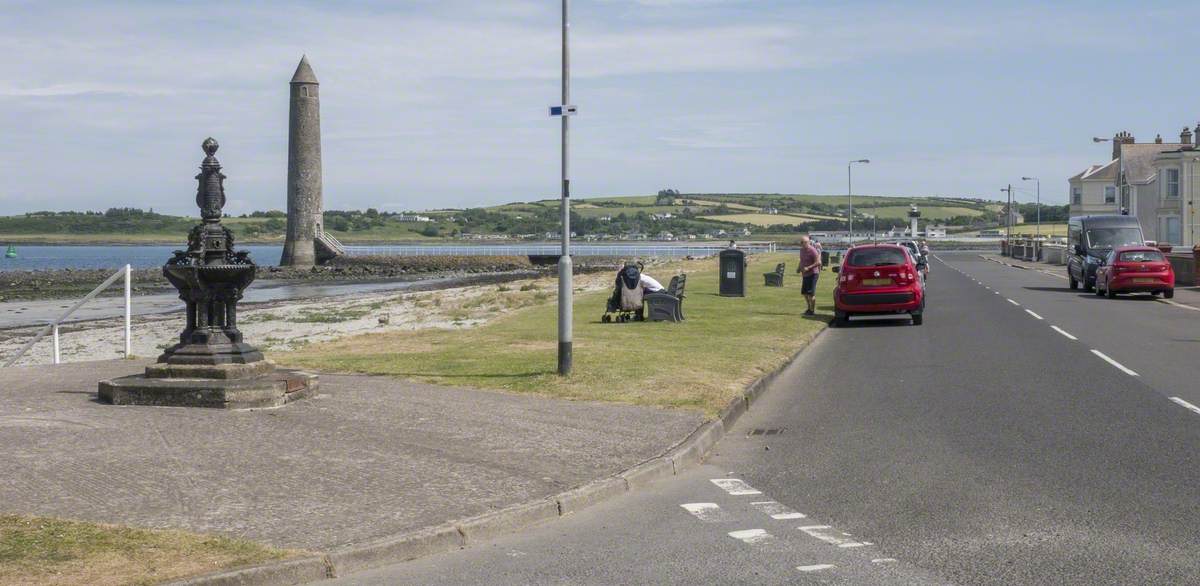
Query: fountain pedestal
x=211, y=366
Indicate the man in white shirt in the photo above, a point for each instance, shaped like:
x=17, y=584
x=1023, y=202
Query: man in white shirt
x=650, y=285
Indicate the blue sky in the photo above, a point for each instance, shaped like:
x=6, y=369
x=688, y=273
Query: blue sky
x=439, y=103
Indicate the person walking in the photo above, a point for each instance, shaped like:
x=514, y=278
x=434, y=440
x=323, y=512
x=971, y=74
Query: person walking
x=810, y=267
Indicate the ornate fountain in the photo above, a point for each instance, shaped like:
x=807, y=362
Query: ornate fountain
x=211, y=366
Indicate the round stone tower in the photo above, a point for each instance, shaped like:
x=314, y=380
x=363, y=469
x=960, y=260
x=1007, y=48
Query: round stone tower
x=304, y=198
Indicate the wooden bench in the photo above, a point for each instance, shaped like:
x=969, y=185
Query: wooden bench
x=667, y=305
x=775, y=279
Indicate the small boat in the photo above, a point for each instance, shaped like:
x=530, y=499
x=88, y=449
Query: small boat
x=11, y=252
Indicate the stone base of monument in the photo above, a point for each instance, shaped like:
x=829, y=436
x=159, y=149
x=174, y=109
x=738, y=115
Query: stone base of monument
x=222, y=386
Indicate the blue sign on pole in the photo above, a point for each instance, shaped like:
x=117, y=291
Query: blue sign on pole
x=563, y=110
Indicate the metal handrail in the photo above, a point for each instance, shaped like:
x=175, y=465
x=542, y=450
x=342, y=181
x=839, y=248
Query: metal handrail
x=52, y=327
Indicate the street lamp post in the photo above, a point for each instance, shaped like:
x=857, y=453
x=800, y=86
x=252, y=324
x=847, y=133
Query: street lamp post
x=1008, y=220
x=1039, y=203
x=850, y=197
x=565, y=292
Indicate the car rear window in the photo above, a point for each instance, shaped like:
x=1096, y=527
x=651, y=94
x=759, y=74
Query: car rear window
x=876, y=257
x=1142, y=256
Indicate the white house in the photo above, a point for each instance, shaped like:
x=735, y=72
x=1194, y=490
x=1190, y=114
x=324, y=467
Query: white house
x=1130, y=184
x=1176, y=189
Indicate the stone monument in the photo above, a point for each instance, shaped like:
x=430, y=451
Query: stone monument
x=306, y=242
x=211, y=366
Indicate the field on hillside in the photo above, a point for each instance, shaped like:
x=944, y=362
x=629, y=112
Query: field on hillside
x=761, y=219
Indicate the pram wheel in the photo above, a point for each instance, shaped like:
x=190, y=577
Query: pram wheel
x=606, y=319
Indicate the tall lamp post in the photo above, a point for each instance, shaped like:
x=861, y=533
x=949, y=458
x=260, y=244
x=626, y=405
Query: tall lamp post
x=850, y=196
x=1039, y=203
x=565, y=293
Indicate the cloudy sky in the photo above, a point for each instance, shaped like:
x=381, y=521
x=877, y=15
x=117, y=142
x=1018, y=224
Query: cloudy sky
x=436, y=103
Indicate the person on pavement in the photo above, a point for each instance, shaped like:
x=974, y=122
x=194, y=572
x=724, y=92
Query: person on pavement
x=810, y=265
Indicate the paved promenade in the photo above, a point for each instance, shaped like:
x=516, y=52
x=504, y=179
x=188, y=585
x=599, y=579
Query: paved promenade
x=368, y=458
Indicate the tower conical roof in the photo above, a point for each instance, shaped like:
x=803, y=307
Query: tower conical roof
x=304, y=72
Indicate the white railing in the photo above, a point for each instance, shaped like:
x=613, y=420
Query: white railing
x=580, y=249
x=52, y=327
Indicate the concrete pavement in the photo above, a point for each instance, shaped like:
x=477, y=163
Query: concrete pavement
x=371, y=457
x=984, y=447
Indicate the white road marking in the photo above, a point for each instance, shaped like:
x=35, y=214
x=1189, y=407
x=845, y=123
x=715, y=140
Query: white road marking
x=707, y=512
x=1012, y=302
x=1119, y=366
x=752, y=536
x=996, y=292
x=735, y=486
x=1177, y=304
x=827, y=534
x=883, y=560
x=1033, y=314
x=815, y=567
x=1186, y=405
x=1063, y=332
x=777, y=510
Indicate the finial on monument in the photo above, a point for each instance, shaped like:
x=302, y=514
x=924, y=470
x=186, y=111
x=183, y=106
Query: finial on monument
x=304, y=72
x=210, y=193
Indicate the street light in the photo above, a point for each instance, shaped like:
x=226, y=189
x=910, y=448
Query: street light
x=1039, y=202
x=850, y=196
x=565, y=292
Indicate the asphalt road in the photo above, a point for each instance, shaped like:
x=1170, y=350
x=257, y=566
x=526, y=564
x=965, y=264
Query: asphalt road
x=984, y=447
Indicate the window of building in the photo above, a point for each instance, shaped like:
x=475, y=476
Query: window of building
x=1110, y=194
x=1171, y=228
x=1076, y=195
x=1172, y=184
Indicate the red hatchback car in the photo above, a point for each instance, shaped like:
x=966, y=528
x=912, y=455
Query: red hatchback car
x=1132, y=269
x=878, y=279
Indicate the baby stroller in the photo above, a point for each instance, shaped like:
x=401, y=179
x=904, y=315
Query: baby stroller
x=626, y=301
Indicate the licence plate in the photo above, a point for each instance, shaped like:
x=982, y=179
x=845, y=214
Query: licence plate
x=876, y=282
x=1145, y=281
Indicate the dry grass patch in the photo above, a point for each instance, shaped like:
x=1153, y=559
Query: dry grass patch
x=52, y=552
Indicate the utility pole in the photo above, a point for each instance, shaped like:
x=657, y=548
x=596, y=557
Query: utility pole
x=1008, y=219
x=565, y=292
x=850, y=197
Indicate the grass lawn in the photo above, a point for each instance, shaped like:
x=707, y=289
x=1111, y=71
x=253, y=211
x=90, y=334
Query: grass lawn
x=723, y=345
x=38, y=550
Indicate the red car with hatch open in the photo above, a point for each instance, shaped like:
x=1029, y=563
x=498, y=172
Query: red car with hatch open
x=1133, y=269
x=878, y=279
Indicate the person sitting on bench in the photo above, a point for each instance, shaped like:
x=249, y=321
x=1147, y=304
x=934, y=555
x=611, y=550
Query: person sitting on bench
x=650, y=285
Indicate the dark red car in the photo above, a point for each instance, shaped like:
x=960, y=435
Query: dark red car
x=1134, y=269
x=878, y=279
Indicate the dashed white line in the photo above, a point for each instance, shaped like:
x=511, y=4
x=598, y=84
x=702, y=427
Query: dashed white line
x=1012, y=302
x=1063, y=332
x=777, y=510
x=707, y=512
x=735, y=486
x=1034, y=314
x=1119, y=366
x=815, y=567
x=1177, y=304
x=883, y=560
x=752, y=536
x=825, y=533
x=1186, y=405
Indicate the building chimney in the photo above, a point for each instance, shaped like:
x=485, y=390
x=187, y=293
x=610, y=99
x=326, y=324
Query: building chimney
x=1158, y=139
x=1119, y=139
x=1185, y=137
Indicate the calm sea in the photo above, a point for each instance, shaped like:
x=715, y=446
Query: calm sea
x=109, y=257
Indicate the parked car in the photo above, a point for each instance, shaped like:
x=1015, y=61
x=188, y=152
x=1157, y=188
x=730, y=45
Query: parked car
x=1089, y=241
x=1133, y=269
x=878, y=279
x=919, y=257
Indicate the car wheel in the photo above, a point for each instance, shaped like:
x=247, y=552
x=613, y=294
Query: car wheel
x=918, y=319
x=1071, y=282
x=840, y=319
x=1110, y=293
x=1169, y=294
